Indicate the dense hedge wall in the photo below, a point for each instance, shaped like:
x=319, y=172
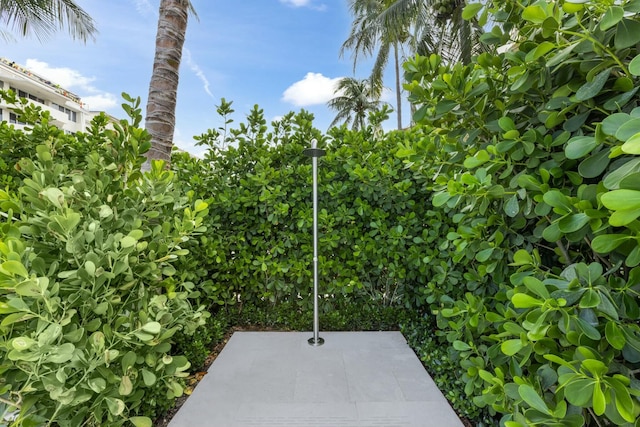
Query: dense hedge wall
x=373, y=240
x=513, y=217
x=533, y=154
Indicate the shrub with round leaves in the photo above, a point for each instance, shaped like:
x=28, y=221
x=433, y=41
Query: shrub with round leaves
x=89, y=299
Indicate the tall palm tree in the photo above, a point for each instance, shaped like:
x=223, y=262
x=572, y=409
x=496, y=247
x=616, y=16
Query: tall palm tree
x=370, y=33
x=438, y=27
x=44, y=17
x=160, y=119
x=354, y=100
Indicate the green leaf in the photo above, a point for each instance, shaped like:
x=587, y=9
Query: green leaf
x=619, y=101
x=612, y=123
x=484, y=254
x=90, y=267
x=521, y=300
x=612, y=16
x=632, y=146
x=128, y=360
x=573, y=223
x=461, y=346
x=143, y=336
x=633, y=259
x=152, y=327
x=614, y=335
x=562, y=55
x=28, y=288
x=590, y=299
x=594, y=165
x=97, y=384
x=532, y=398
x=440, y=199
x=522, y=257
x=627, y=33
x=127, y=242
x=536, y=286
x=148, y=377
x=471, y=10
x=511, y=347
x=14, y=268
x=613, y=179
x=478, y=159
x=116, y=406
x=54, y=195
x=624, y=403
x=580, y=146
x=141, y=421
x=105, y=211
x=512, y=207
x=621, y=200
x=628, y=129
x=535, y=14
x=559, y=201
x=506, y=123
x=542, y=49
x=579, y=391
x=622, y=218
x=126, y=387
x=634, y=66
x=599, y=401
x=22, y=343
x=589, y=330
x=594, y=87
x=605, y=243
x=552, y=233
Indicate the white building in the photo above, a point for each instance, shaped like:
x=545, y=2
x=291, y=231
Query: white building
x=66, y=109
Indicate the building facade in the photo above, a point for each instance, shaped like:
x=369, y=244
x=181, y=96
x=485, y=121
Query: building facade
x=66, y=108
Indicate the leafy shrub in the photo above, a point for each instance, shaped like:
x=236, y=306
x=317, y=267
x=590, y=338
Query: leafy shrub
x=345, y=315
x=532, y=155
x=196, y=347
x=374, y=245
x=89, y=295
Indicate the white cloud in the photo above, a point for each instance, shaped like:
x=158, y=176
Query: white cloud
x=65, y=77
x=312, y=90
x=100, y=102
x=197, y=71
x=71, y=79
x=145, y=8
x=304, y=3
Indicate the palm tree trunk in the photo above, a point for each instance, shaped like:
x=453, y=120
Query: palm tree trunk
x=398, y=94
x=163, y=89
x=465, y=36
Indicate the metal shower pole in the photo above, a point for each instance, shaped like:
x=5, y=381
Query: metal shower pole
x=314, y=153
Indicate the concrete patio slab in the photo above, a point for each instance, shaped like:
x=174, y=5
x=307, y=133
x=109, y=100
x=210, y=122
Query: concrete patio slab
x=356, y=379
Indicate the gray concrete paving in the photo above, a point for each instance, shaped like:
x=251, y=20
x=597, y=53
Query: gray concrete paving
x=356, y=379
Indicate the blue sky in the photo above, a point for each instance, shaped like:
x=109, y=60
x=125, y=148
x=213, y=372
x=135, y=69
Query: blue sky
x=280, y=54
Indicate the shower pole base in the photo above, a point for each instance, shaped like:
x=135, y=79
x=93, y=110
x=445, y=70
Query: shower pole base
x=316, y=343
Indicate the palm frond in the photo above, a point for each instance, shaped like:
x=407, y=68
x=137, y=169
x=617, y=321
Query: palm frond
x=43, y=17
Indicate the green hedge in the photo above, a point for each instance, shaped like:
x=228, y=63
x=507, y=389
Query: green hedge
x=90, y=296
x=373, y=241
x=533, y=154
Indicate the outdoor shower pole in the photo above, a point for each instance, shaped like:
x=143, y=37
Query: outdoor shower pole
x=314, y=153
